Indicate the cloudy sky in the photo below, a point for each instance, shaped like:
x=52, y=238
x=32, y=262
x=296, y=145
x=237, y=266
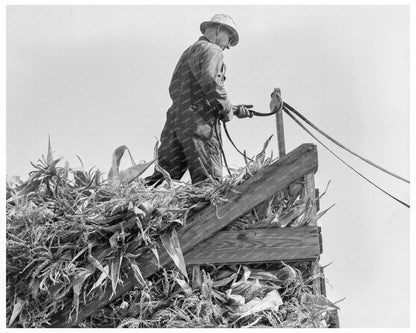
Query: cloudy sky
x=96, y=77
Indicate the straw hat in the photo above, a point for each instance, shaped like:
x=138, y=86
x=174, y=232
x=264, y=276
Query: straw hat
x=227, y=22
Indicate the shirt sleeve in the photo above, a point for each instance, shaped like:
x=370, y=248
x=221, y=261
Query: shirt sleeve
x=206, y=65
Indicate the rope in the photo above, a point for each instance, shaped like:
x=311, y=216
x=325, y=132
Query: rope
x=339, y=158
x=217, y=123
x=232, y=142
x=288, y=107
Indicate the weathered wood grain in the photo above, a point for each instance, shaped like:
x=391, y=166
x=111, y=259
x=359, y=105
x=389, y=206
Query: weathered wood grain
x=274, y=104
x=316, y=269
x=205, y=223
x=258, y=245
x=310, y=193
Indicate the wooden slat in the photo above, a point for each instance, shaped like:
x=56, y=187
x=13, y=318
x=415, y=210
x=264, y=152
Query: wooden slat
x=317, y=202
x=258, y=245
x=279, y=121
x=310, y=192
x=205, y=223
x=322, y=281
x=333, y=321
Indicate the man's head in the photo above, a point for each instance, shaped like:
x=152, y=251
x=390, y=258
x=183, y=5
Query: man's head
x=219, y=35
x=221, y=30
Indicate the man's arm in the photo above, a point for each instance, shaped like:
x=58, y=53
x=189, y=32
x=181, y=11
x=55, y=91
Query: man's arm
x=206, y=65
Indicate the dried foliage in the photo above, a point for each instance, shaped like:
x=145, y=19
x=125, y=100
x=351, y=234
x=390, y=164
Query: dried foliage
x=236, y=296
x=70, y=235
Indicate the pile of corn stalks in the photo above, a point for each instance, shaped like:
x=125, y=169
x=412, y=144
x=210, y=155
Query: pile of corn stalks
x=70, y=234
x=239, y=296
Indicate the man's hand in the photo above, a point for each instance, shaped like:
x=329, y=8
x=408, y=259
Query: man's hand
x=276, y=102
x=242, y=110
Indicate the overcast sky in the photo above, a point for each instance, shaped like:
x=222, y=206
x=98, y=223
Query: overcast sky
x=95, y=78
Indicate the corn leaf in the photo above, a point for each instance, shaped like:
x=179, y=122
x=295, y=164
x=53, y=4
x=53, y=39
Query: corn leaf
x=185, y=286
x=263, y=276
x=319, y=215
x=114, y=174
x=79, y=254
x=101, y=279
x=248, y=289
x=130, y=174
x=156, y=254
x=115, y=269
x=117, y=177
x=286, y=273
x=98, y=265
x=138, y=273
x=49, y=156
x=77, y=286
x=17, y=308
x=219, y=296
x=261, y=156
x=171, y=243
x=115, y=161
x=165, y=174
x=271, y=301
x=236, y=299
x=318, y=301
x=289, y=218
x=196, y=277
x=225, y=281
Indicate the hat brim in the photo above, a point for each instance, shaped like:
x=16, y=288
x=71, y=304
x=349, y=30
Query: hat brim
x=234, y=34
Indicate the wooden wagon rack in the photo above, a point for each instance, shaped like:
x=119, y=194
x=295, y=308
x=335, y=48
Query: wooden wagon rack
x=204, y=241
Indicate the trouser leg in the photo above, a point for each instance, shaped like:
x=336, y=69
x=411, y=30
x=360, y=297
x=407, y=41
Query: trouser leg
x=203, y=158
x=171, y=157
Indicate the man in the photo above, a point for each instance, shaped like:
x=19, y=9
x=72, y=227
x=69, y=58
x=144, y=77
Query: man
x=191, y=136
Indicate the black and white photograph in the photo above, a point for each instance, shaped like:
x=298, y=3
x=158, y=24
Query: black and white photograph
x=212, y=165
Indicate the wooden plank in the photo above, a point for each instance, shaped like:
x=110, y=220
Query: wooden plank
x=274, y=104
x=257, y=245
x=333, y=321
x=315, y=271
x=205, y=223
x=317, y=203
x=309, y=192
x=322, y=281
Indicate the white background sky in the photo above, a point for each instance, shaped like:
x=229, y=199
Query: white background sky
x=95, y=78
